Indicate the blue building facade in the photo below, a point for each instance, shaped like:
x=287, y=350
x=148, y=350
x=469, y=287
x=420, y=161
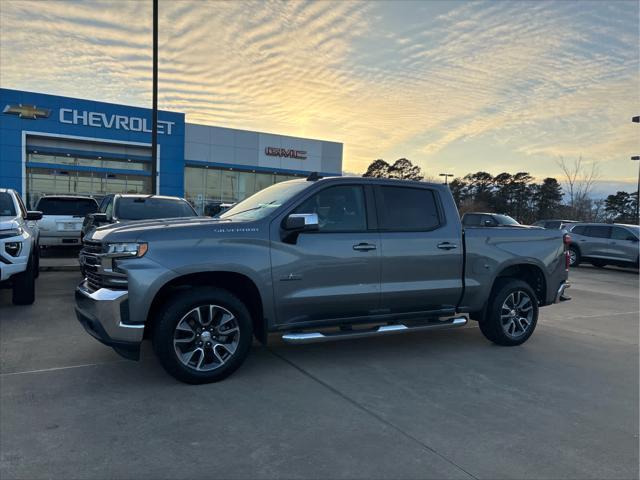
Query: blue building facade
x=51, y=144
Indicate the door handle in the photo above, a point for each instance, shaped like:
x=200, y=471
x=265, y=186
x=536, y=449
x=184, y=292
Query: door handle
x=447, y=246
x=364, y=247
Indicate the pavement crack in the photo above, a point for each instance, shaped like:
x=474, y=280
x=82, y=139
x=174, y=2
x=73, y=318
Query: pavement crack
x=371, y=413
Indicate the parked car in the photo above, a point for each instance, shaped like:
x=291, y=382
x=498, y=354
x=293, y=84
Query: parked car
x=302, y=256
x=554, y=224
x=477, y=219
x=123, y=208
x=215, y=209
x=62, y=218
x=601, y=244
x=19, y=259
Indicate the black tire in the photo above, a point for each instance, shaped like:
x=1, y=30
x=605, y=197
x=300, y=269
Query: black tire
x=24, y=285
x=494, y=327
x=174, y=312
x=598, y=263
x=574, y=261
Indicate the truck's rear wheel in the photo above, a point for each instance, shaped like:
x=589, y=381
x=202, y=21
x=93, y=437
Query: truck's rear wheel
x=574, y=256
x=512, y=314
x=24, y=285
x=203, y=335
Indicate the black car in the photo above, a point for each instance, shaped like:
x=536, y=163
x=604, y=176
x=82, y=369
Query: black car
x=120, y=208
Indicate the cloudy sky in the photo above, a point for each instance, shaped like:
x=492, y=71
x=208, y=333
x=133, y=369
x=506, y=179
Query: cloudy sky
x=453, y=86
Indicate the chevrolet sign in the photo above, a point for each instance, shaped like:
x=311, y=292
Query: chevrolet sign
x=27, y=111
x=119, y=122
x=285, y=152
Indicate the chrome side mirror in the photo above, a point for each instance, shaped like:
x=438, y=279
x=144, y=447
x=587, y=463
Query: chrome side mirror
x=302, y=222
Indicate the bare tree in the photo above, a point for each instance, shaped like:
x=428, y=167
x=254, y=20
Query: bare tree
x=579, y=178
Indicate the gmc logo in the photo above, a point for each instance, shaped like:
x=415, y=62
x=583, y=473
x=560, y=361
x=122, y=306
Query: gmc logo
x=286, y=153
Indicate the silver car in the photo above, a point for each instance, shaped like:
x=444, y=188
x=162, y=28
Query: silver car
x=601, y=244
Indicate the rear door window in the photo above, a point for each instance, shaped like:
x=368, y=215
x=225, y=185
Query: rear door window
x=407, y=209
x=597, y=231
x=77, y=207
x=619, y=233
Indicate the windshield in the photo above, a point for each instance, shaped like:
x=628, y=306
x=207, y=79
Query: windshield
x=505, y=220
x=77, y=207
x=7, y=208
x=259, y=205
x=145, y=208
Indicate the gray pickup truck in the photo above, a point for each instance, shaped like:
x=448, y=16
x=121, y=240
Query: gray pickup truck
x=315, y=260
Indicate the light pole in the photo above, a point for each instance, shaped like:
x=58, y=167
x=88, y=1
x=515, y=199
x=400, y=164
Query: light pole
x=446, y=177
x=636, y=119
x=637, y=157
x=154, y=113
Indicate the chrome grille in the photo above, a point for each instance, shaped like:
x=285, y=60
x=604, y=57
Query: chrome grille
x=96, y=276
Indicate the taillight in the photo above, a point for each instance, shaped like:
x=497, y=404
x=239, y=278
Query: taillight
x=566, y=239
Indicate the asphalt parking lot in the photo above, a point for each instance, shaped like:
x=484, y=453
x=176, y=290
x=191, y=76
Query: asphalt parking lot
x=444, y=404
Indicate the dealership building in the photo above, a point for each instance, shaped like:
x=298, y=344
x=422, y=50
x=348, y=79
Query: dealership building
x=61, y=145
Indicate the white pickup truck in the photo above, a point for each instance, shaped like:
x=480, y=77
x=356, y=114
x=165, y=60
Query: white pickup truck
x=19, y=259
x=62, y=217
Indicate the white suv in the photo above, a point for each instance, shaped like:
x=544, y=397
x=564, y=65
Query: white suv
x=62, y=217
x=19, y=260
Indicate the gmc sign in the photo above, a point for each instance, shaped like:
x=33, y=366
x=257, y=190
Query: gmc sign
x=285, y=152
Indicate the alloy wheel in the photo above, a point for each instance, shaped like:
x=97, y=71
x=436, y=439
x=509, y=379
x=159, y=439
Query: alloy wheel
x=206, y=337
x=516, y=315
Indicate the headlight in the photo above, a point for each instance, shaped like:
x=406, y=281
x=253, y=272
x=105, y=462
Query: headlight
x=13, y=248
x=127, y=249
x=12, y=232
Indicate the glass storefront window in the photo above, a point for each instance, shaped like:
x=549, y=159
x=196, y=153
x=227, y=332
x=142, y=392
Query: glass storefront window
x=59, y=180
x=263, y=180
x=207, y=187
x=284, y=178
x=113, y=163
x=229, y=187
x=213, y=185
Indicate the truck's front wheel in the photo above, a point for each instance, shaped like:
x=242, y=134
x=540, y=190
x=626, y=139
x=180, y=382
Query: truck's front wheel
x=24, y=285
x=203, y=335
x=512, y=314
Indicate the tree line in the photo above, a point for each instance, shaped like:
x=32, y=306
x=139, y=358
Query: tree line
x=520, y=196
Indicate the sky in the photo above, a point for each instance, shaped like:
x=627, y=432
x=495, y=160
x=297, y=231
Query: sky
x=454, y=86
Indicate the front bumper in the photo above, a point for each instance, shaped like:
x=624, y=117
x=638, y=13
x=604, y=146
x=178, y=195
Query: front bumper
x=10, y=265
x=104, y=313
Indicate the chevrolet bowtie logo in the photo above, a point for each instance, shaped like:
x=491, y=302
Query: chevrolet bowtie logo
x=27, y=111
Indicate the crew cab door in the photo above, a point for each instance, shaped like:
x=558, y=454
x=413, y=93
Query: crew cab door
x=596, y=243
x=623, y=245
x=331, y=273
x=421, y=252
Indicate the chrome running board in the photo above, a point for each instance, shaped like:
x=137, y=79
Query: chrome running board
x=315, y=337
